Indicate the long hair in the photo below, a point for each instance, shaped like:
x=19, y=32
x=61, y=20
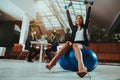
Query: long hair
x=81, y=19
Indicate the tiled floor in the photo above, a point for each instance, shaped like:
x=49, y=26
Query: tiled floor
x=22, y=70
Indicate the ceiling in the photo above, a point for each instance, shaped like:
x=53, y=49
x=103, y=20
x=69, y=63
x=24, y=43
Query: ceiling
x=115, y=26
x=5, y=17
x=52, y=12
x=104, y=12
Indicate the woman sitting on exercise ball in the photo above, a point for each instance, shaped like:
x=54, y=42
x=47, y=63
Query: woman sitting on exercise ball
x=78, y=41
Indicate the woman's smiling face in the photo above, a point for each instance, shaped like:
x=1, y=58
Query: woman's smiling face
x=79, y=20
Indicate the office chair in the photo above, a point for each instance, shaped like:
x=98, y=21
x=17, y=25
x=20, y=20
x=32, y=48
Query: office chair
x=20, y=49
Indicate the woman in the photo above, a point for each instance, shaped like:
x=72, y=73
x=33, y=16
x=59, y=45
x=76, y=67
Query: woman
x=78, y=41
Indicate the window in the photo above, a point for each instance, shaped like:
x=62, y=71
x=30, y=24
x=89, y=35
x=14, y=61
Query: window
x=53, y=12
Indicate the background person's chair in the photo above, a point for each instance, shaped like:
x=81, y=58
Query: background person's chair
x=21, y=50
x=25, y=52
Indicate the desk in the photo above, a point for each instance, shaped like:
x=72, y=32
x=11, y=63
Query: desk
x=40, y=43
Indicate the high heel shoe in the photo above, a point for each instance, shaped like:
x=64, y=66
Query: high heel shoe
x=50, y=66
x=81, y=74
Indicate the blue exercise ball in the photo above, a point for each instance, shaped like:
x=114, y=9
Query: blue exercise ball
x=64, y=63
x=90, y=60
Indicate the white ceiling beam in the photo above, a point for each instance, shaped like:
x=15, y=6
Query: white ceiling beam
x=11, y=9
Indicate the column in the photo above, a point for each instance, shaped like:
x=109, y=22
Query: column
x=24, y=29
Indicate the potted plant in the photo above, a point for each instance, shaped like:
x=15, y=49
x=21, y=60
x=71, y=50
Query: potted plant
x=67, y=35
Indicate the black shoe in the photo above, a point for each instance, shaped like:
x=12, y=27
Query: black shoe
x=81, y=74
x=29, y=60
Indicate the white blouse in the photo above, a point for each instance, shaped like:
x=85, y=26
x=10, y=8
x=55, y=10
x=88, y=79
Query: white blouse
x=79, y=35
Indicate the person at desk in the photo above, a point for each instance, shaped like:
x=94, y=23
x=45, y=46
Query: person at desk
x=42, y=40
x=52, y=47
x=33, y=49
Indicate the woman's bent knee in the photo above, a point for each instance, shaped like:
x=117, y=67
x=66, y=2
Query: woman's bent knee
x=68, y=43
x=74, y=45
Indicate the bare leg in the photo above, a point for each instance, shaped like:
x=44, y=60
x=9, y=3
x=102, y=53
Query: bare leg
x=78, y=54
x=62, y=51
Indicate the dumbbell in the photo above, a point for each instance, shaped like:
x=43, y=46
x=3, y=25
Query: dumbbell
x=67, y=6
x=91, y=2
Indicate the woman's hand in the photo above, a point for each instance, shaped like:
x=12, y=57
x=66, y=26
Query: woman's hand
x=88, y=4
x=69, y=43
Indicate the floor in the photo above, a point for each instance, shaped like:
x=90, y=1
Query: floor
x=23, y=70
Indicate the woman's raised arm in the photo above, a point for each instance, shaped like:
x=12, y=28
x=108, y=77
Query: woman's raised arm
x=69, y=19
x=88, y=15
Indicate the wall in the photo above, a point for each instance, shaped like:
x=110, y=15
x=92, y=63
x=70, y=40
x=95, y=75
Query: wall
x=106, y=52
x=6, y=33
